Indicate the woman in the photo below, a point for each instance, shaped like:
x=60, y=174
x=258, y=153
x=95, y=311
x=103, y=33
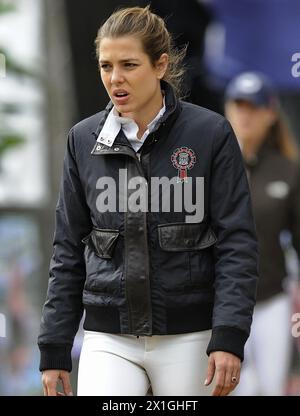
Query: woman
x=271, y=158
x=154, y=233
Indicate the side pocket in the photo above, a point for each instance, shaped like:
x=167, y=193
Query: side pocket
x=185, y=251
x=102, y=241
x=104, y=261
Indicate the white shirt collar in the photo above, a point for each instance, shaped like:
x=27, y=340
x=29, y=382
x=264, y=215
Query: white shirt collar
x=115, y=122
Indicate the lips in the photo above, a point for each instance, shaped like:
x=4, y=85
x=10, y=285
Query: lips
x=120, y=93
x=121, y=96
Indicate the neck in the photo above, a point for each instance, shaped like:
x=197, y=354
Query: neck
x=250, y=148
x=146, y=115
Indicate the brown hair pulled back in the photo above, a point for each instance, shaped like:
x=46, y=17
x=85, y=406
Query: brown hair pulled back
x=151, y=30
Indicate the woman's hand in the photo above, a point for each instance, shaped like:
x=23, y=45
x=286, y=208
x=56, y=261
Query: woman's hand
x=50, y=379
x=226, y=367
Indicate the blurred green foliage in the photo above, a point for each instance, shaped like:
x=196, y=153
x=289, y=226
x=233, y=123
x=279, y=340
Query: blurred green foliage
x=8, y=137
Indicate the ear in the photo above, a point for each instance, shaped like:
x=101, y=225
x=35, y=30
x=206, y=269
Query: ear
x=161, y=65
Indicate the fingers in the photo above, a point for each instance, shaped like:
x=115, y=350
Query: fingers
x=235, y=376
x=231, y=380
x=49, y=384
x=49, y=381
x=227, y=372
x=220, y=380
x=45, y=390
x=235, y=379
x=229, y=384
x=210, y=371
x=51, y=389
x=65, y=378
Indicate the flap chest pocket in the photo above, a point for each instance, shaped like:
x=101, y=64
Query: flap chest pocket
x=185, y=236
x=102, y=241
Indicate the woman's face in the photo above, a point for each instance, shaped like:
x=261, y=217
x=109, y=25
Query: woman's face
x=130, y=79
x=249, y=122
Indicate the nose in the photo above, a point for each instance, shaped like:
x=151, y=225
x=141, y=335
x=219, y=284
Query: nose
x=116, y=76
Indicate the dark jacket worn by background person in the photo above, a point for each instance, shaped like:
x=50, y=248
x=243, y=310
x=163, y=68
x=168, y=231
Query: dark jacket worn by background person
x=163, y=271
x=275, y=188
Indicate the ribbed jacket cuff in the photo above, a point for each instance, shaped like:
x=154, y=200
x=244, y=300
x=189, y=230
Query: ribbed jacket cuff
x=228, y=339
x=55, y=357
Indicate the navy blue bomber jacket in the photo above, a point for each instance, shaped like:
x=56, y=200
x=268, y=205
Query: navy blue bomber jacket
x=161, y=245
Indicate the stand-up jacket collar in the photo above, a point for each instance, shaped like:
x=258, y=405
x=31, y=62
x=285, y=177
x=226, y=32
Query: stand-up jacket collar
x=173, y=109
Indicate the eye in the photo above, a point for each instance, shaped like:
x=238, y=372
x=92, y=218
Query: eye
x=105, y=67
x=130, y=65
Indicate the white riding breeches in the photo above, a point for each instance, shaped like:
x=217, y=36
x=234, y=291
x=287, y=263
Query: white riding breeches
x=127, y=365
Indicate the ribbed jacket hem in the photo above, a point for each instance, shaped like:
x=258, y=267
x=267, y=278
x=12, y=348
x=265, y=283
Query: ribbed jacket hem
x=102, y=319
x=55, y=357
x=228, y=339
x=178, y=320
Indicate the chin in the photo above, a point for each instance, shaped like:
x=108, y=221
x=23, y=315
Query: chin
x=125, y=109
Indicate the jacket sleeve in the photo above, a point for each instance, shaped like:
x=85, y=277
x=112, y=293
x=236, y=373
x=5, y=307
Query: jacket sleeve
x=235, y=252
x=63, y=308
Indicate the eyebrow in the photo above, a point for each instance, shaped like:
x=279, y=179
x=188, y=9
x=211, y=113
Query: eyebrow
x=103, y=61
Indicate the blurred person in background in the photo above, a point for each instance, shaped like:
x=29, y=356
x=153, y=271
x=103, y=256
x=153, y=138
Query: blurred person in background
x=272, y=162
x=168, y=297
x=233, y=47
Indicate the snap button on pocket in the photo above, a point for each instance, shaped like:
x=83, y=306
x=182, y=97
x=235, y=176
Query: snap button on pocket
x=189, y=242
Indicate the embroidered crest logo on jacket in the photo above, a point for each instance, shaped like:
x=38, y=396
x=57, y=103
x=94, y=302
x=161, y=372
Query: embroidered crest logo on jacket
x=183, y=159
